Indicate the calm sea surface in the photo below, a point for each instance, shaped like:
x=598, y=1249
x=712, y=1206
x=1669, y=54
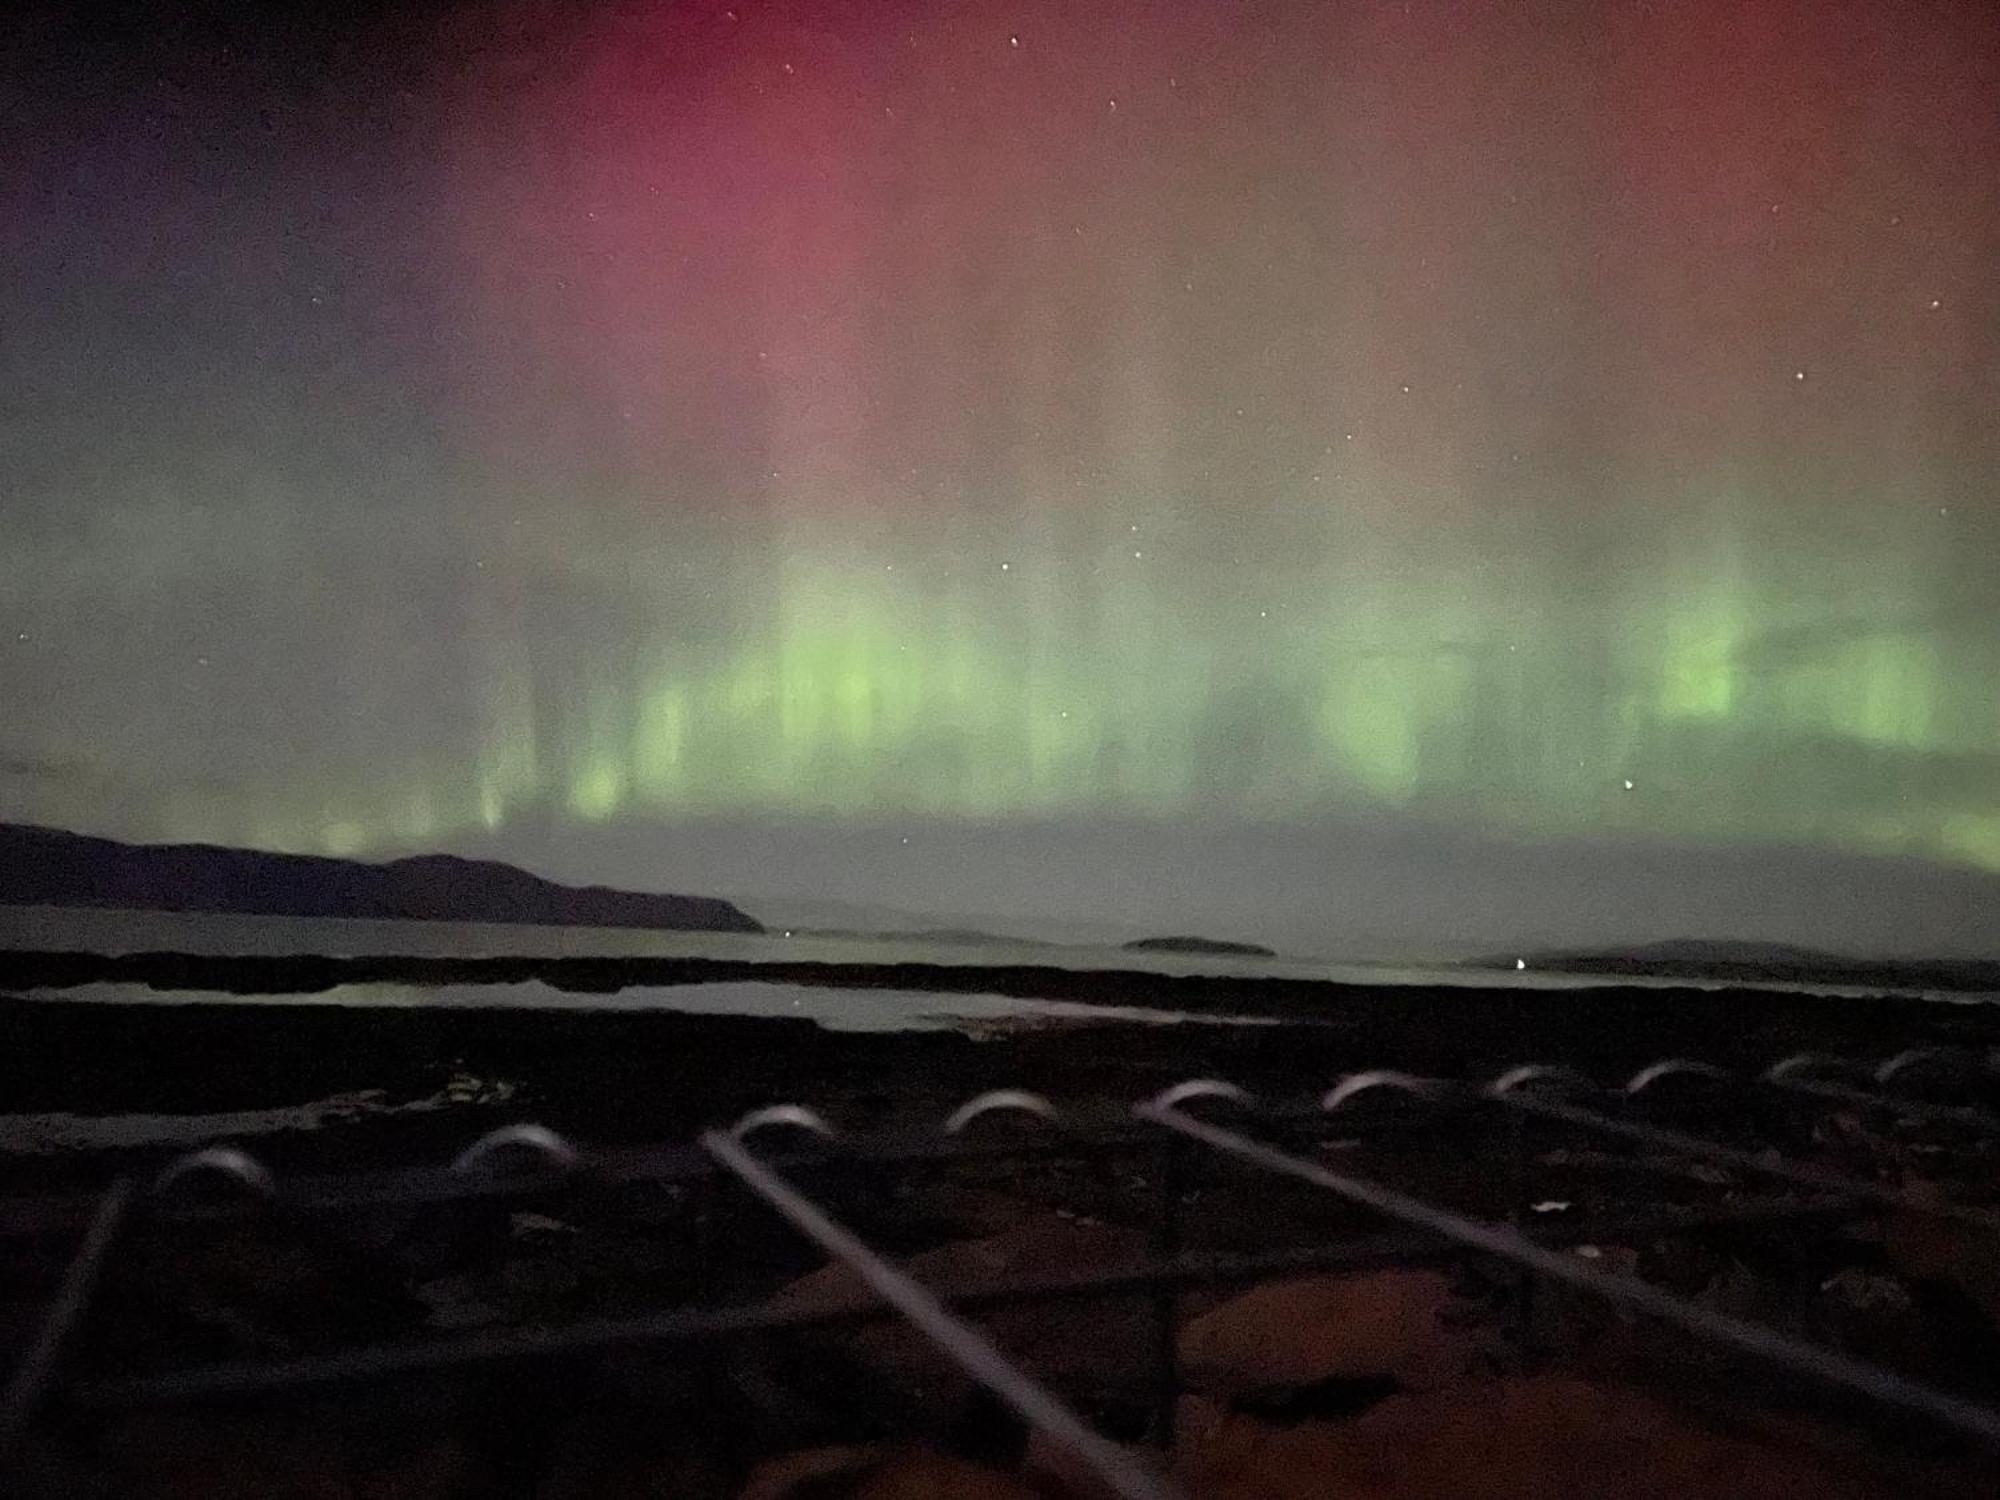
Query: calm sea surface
x=38, y=927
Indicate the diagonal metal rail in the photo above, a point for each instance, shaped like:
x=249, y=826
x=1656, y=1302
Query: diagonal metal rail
x=254, y=1375
x=1751, y=1339
x=1965, y=1116
x=1094, y=1455
x=1780, y=1169
x=30, y=1380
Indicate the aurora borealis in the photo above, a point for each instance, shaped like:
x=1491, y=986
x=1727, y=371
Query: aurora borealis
x=556, y=430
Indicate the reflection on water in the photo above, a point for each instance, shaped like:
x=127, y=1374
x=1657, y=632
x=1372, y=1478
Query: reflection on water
x=114, y=932
x=836, y=1009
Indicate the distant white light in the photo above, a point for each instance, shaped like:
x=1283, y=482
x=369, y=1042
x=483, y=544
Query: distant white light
x=1520, y=963
x=1798, y=374
x=1006, y=567
x=1937, y=302
x=1628, y=786
x=1013, y=41
x=1551, y=1206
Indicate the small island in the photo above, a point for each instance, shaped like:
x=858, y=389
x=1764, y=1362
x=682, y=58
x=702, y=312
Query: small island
x=1217, y=946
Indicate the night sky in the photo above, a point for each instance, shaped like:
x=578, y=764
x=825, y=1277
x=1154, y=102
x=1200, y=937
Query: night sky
x=1436, y=472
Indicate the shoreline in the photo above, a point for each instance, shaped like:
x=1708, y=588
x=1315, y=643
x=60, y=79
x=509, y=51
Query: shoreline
x=628, y=1073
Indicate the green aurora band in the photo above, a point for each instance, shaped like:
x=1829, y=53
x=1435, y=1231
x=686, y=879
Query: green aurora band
x=1826, y=700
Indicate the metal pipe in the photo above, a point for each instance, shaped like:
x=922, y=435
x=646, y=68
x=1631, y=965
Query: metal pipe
x=1758, y=1342
x=22, y=1397
x=1094, y=1456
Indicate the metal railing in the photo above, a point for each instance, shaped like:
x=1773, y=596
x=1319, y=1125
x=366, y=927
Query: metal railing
x=1181, y=1124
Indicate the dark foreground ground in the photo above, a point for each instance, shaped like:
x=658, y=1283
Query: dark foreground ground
x=1410, y=1371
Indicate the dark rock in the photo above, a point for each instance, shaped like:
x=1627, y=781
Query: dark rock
x=1506, y=1440
x=1394, y=1325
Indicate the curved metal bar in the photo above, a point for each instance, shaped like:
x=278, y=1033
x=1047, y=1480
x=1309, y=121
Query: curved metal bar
x=233, y=1162
x=1515, y=1079
x=1674, y=1067
x=782, y=1114
x=1017, y=1101
x=1190, y=1089
x=555, y=1151
x=1094, y=1457
x=1912, y=1057
x=1788, y=1068
x=1508, y=1244
x=1356, y=1084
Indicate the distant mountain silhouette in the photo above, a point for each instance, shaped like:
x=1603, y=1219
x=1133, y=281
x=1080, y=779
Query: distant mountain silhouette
x=46, y=866
x=950, y=937
x=1196, y=945
x=1703, y=958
